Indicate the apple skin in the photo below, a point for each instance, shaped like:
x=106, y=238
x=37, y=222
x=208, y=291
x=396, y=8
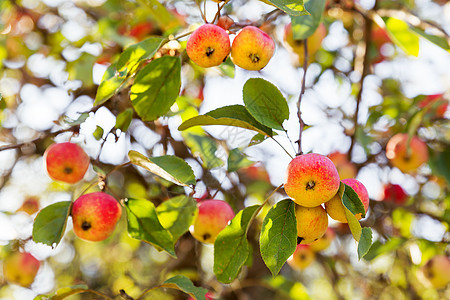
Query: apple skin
x=20, y=268
x=312, y=179
x=312, y=223
x=324, y=242
x=213, y=216
x=208, y=45
x=345, y=168
x=434, y=103
x=66, y=162
x=252, y=49
x=30, y=205
x=437, y=271
x=314, y=42
x=95, y=215
x=406, y=158
x=335, y=208
x=302, y=257
x=394, y=193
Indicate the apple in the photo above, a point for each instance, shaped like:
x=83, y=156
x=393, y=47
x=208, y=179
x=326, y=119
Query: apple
x=345, y=168
x=30, y=205
x=95, y=215
x=314, y=42
x=213, y=216
x=302, y=257
x=225, y=22
x=394, y=193
x=312, y=179
x=379, y=38
x=407, y=155
x=312, y=223
x=208, y=45
x=255, y=172
x=141, y=30
x=335, y=208
x=324, y=242
x=66, y=162
x=437, y=271
x=434, y=103
x=252, y=48
x=20, y=268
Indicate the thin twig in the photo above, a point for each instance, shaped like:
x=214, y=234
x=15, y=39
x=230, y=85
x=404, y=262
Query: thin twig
x=302, y=91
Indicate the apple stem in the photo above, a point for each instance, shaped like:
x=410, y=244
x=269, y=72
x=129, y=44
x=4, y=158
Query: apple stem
x=302, y=91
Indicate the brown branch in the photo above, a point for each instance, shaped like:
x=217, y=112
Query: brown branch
x=302, y=91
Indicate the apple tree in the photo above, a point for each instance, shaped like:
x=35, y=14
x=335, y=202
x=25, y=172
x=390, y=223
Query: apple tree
x=224, y=149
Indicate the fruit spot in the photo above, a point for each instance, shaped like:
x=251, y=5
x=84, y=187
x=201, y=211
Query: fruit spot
x=299, y=240
x=68, y=170
x=254, y=58
x=206, y=236
x=310, y=185
x=85, y=225
x=209, y=51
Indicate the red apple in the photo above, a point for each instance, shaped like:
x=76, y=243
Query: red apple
x=30, y=205
x=213, y=216
x=345, y=168
x=303, y=257
x=434, y=103
x=394, y=193
x=20, y=268
x=95, y=216
x=208, y=46
x=312, y=179
x=66, y=162
x=407, y=155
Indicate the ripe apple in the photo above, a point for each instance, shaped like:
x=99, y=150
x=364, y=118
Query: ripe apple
x=345, y=168
x=30, y=205
x=20, y=268
x=335, y=208
x=255, y=172
x=394, y=193
x=437, y=271
x=324, y=242
x=314, y=42
x=252, y=48
x=66, y=162
x=312, y=179
x=208, y=45
x=302, y=257
x=213, y=216
x=434, y=103
x=95, y=215
x=312, y=223
x=141, y=30
x=406, y=155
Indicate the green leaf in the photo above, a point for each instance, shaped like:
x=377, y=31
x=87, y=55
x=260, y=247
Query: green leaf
x=138, y=52
x=98, y=133
x=65, y=292
x=257, y=139
x=111, y=82
x=231, y=248
x=177, y=214
x=184, y=284
x=291, y=7
x=403, y=36
x=378, y=248
x=160, y=14
x=437, y=40
x=440, y=163
x=304, y=26
x=169, y=167
x=156, y=87
x=365, y=242
x=228, y=68
x=265, y=103
x=353, y=223
x=50, y=223
x=206, y=148
x=278, y=238
x=144, y=225
x=78, y=121
x=233, y=115
x=124, y=119
x=351, y=200
x=237, y=160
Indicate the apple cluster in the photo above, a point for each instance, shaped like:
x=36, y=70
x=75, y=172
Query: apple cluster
x=313, y=183
x=94, y=215
x=209, y=46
